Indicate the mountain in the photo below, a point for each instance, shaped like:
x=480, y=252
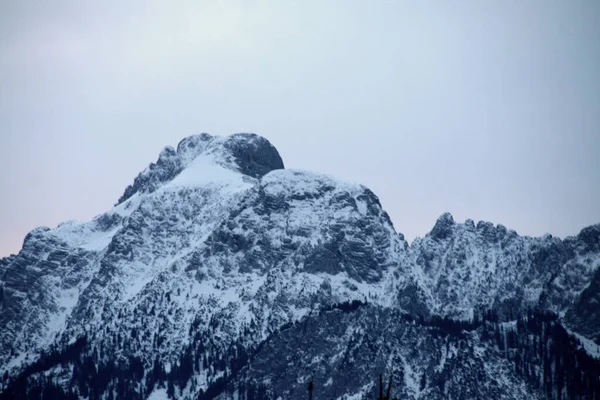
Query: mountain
x=221, y=274
x=463, y=268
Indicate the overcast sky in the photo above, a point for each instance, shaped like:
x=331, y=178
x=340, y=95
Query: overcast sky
x=487, y=109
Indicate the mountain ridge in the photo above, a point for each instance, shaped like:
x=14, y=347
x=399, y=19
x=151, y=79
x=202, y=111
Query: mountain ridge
x=216, y=245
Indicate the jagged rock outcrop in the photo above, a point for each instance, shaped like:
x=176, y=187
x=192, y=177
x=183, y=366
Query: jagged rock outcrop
x=461, y=269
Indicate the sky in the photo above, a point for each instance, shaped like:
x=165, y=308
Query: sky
x=486, y=109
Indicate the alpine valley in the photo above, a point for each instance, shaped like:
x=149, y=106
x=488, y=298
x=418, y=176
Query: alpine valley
x=219, y=274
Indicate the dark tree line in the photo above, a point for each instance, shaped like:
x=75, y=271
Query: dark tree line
x=454, y=327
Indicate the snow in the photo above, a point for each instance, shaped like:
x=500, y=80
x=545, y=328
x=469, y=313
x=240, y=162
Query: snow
x=99, y=241
x=158, y=394
x=442, y=364
x=83, y=235
x=357, y=396
x=205, y=170
x=411, y=379
x=294, y=182
x=588, y=345
x=137, y=278
x=127, y=207
x=66, y=301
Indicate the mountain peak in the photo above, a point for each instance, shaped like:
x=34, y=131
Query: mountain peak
x=590, y=237
x=255, y=156
x=443, y=226
x=246, y=153
x=190, y=147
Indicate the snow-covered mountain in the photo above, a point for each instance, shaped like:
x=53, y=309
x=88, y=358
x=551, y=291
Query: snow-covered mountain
x=462, y=268
x=217, y=253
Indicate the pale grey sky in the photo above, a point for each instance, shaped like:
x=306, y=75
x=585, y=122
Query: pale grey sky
x=487, y=109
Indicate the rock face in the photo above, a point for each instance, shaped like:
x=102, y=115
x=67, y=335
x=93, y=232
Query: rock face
x=462, y=269
x=254, y=155
x=219, y=272
x=584, y=315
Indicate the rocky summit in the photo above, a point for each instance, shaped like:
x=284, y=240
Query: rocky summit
x=219, y=274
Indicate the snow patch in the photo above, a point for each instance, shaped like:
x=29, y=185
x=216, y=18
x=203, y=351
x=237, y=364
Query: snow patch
x=159, y=394
x=204, y=170
x=588, y=345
